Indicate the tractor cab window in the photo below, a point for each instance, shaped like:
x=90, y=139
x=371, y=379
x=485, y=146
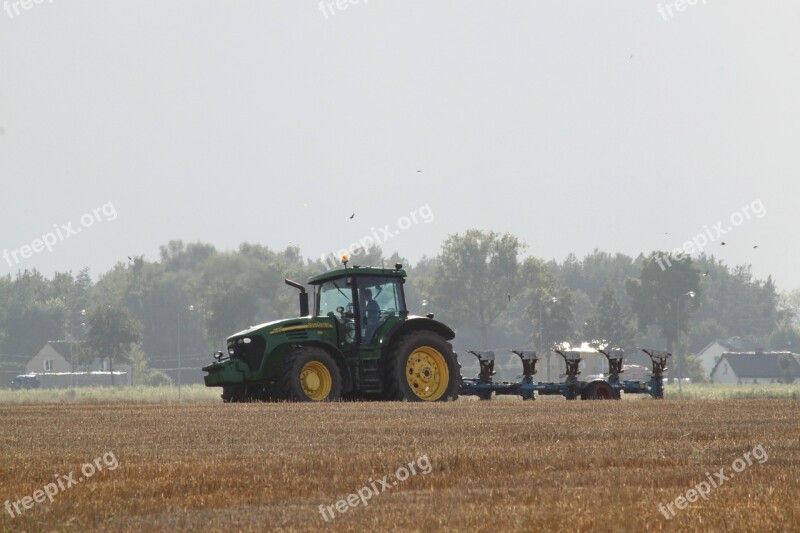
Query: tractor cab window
x=378, y=299
x=335, y=299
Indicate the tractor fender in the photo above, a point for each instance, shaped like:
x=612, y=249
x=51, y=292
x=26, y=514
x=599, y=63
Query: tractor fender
x=417, y=323
x=338, y=356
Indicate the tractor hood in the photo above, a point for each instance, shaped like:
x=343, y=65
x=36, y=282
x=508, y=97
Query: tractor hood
x=284, y=326
x=267, y=326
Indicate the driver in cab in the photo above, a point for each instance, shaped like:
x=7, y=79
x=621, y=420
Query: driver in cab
x=372, y=313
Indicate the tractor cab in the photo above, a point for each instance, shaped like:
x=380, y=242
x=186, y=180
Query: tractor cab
x=361, y=300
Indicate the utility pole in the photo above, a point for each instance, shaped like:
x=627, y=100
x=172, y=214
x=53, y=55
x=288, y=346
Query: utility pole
x=541, y=335
x=190, y=309
x=691, y=295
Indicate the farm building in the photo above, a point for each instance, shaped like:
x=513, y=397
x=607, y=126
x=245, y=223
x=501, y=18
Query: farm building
x=756, y=367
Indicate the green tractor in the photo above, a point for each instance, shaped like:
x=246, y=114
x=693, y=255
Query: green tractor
x=360, y=342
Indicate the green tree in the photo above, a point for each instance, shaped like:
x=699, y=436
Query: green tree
x=785, y=362
x=112, y=333
x=549, y=310
x=609, y=321
x=598, y=269
x=550, y=306
x=142, y=374
x=694, y=369
x=736, y=302
x=659, y=298
x=33, y=313
x=790, y=303
x=232, y=307
x=785, y=336
x=476, y=278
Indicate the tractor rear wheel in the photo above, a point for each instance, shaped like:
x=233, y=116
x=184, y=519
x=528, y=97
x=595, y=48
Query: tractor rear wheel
x=421, y=366
x=597, y=390
x=310, y=374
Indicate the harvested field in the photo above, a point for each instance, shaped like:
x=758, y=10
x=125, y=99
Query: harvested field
x=492, y=466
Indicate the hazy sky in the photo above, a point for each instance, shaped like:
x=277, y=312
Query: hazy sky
x=573, y=125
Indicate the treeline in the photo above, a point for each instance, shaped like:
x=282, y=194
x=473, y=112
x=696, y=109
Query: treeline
x=481, y=283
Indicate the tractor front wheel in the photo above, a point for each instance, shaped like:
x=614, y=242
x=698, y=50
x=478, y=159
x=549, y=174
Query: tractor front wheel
x=310, y=374
x=233, y=393
x=421, y=366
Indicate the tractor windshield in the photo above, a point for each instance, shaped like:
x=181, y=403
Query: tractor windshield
x=333, y=295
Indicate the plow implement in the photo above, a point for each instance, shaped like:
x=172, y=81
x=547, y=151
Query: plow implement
x=610, y=388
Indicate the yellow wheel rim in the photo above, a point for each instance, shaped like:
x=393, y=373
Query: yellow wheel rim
x=427, y=373
x=316, y=380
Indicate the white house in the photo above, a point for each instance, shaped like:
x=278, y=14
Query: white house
x=56, y=364
x=710, y=355
x=55, y=356
x=756, y=367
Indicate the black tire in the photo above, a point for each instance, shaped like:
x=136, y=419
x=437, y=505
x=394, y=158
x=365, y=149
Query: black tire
x=598, y=390
x=411, y=387
x=233, y=393
x=290, y=380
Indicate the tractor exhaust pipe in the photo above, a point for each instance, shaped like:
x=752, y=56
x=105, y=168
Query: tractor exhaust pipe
x=303, y=296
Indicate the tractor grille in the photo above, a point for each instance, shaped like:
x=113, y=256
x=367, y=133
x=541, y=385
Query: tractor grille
x=297, y=335
x=251, y=353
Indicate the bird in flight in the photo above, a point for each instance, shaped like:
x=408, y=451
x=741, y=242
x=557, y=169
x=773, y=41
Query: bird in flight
x=756, y=246
x=723, y=243
x=351, y=216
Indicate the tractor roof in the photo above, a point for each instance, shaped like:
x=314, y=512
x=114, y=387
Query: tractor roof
x=356, y=271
